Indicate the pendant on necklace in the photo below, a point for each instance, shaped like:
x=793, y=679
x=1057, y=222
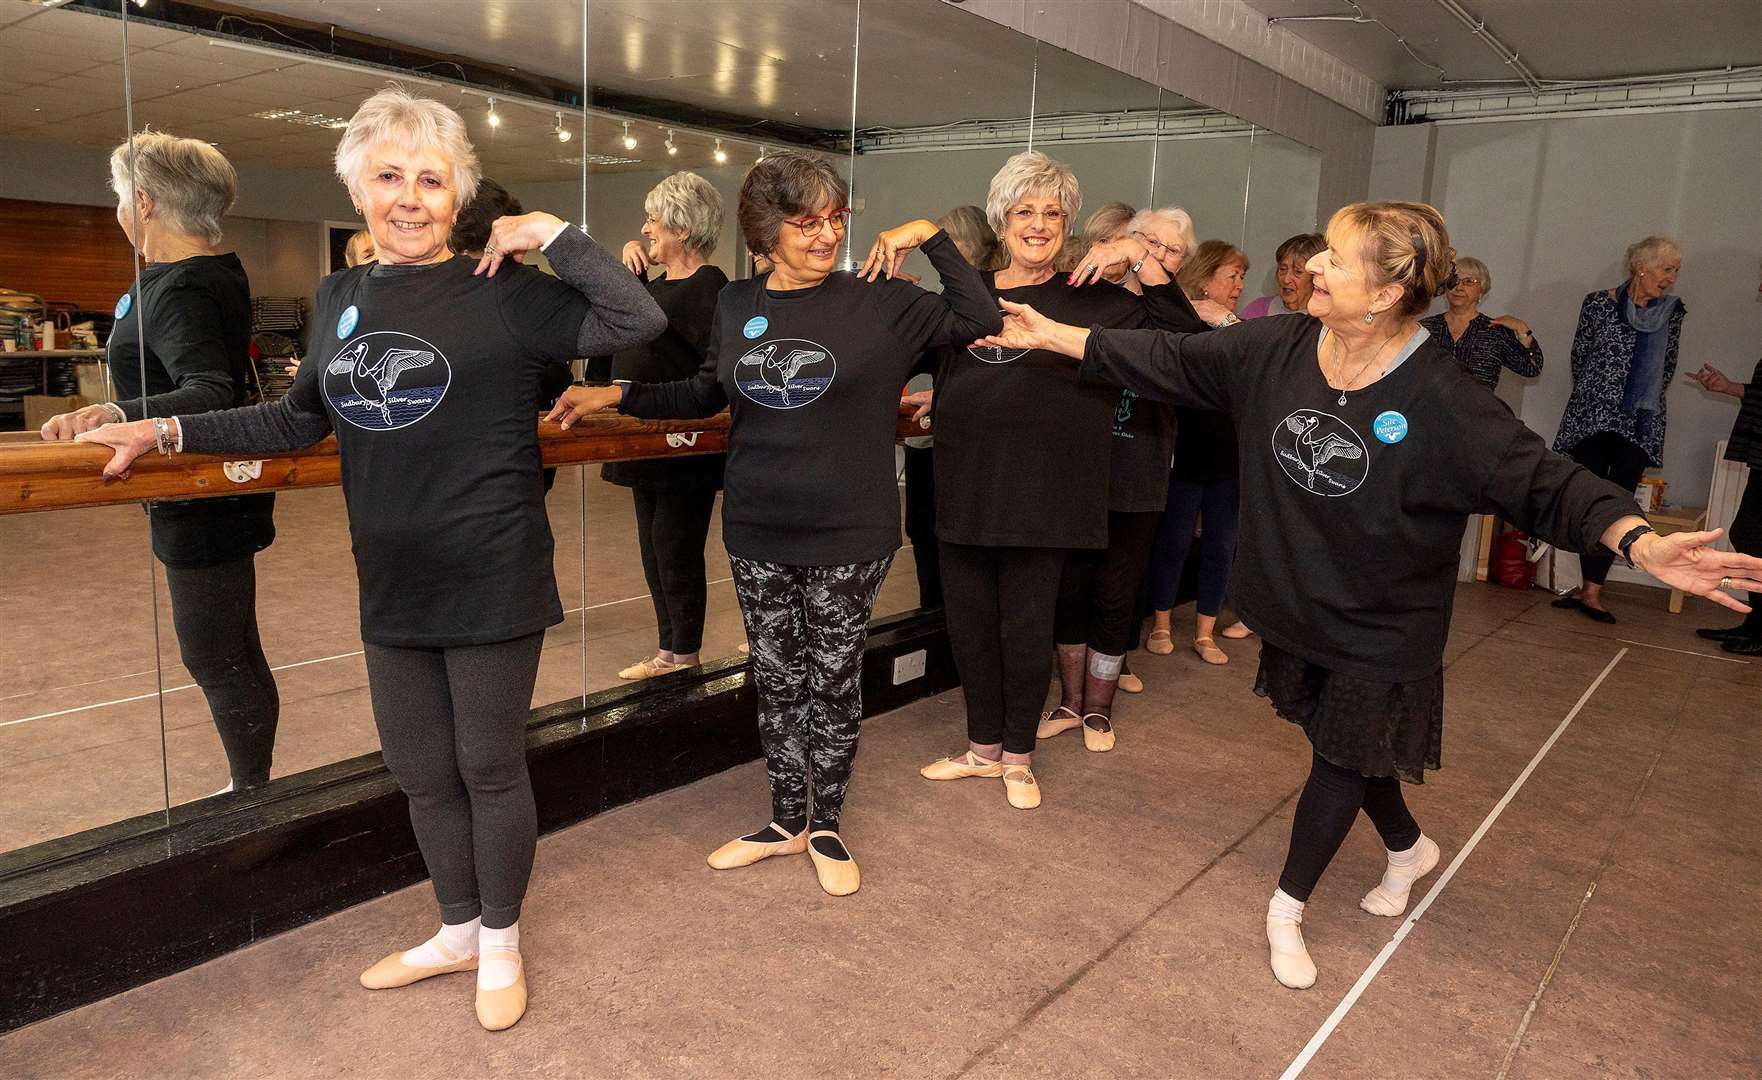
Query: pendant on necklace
x=1342, y=397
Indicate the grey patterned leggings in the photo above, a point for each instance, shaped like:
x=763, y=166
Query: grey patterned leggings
x=806, y=626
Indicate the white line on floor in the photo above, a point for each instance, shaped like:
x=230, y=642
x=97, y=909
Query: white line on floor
x=1685, y=652
x=1333, y=1021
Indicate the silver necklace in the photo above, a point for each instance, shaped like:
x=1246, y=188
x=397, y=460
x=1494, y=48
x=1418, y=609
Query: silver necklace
x=1373, y=359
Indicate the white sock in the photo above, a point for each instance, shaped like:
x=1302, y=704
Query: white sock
x=1284, y=937
x=455, y=942
x=498, y=957
x=1389, y=898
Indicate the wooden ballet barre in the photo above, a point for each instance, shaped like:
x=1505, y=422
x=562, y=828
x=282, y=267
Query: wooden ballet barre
x=37, y=475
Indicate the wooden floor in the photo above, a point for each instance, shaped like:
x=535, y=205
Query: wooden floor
x=1594, y=916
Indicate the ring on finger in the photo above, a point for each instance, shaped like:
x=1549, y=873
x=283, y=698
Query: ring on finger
x=1725, y=583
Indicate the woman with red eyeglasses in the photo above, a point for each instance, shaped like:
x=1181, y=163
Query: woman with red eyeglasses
x=810, y=363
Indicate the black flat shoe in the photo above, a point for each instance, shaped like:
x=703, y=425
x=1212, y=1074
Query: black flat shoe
x=1568, y=603
x=1595, y=614
x=1724, y=633
x=1750, y=646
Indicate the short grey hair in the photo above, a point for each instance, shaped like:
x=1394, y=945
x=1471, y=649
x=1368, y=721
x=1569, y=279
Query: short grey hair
x=191, y=183
x=1649, y=252
x=686, y=202
x=396, y=116
x=1028, y=173
x=1172, y=216
x=1468, y=264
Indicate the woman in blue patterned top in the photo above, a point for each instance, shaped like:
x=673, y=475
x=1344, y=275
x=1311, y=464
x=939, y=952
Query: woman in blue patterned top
x=1623, y=358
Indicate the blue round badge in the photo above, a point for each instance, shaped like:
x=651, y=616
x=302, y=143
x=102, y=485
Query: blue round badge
x=123, y=303
x=345, y=323
x=1390, y=427
x=756, y=326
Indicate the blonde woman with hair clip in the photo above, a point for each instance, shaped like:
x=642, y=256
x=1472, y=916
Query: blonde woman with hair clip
x=1366, y=449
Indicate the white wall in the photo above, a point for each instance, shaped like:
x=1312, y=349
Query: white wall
x=1550, y=205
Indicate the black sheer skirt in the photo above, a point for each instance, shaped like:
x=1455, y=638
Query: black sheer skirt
x=1377, y=728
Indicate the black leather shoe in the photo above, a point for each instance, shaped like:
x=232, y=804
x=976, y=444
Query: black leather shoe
x=1750, y=646
x=1724, y=633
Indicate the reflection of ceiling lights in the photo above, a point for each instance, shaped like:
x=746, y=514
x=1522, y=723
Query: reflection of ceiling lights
x=598, y=159
x=629, y=139
x=671, y=149
x=721, y=154
x=563, y=134
x=301, y=116
x=494, y=120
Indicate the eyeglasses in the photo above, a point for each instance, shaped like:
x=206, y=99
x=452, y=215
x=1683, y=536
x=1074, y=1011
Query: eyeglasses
x=1160, y=249
x=1475, y=281
x=839, y=219
x=1022, y=215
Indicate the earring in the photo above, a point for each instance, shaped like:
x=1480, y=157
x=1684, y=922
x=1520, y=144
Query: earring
x=1370, y=316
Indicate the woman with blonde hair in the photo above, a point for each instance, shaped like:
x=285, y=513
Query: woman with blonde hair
x=1366, y=452
x=427, y=365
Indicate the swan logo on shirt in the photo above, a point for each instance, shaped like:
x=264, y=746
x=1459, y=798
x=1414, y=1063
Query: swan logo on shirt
x=786, y=373
x=996, y=354
x=386, y=380
x=1321, y=453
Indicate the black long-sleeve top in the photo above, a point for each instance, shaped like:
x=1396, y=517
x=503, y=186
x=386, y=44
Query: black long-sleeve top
x=196, y=358
x=1745, y=444
x=812, y=379
x=429, y=375
x=1029, y=456
x=690, y=306
x=1352, y=515
x=1484, y=349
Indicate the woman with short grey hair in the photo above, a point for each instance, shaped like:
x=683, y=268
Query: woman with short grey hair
x=1484, y=347
x=1016, y=500
x=674, y=497
x=1623, y=358
x=172, y=194
x=426, y=366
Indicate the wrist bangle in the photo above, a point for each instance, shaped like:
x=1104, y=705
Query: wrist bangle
x=1625, y=546
x=162, y=436
x=115, y=410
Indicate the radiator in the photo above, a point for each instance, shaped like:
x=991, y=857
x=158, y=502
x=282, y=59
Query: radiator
x=1727, y=490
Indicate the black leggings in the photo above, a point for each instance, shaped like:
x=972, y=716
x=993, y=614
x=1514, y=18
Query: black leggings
x=1000, y=603
x=806, y=626
x=1098, y=588
x=1746, y=538
x=214, y=611
x=920, y=523
x=1325, y=812
x=671, y=528
x=1612, y=458
x=452, y=725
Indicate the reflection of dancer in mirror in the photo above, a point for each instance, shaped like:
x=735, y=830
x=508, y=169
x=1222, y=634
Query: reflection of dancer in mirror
x=453, y=613
x=1351, y=592
x=196, y=304
x=1014, y=497
x=674, y=497
x=810, y=514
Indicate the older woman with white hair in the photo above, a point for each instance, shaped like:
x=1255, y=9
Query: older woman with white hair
x=1015, y=496
x=1484, y=347
x=1365, y=451
x=1623, y=358
x=675, y=497
x=426, y=367
x=196, y=302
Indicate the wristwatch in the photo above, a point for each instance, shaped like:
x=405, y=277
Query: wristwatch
x=1627, y=543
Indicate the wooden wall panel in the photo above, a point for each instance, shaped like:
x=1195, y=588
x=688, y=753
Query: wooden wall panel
x=74, y=254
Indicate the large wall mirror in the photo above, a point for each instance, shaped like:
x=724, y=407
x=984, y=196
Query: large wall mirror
x=108, y=708
x=80, y=734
